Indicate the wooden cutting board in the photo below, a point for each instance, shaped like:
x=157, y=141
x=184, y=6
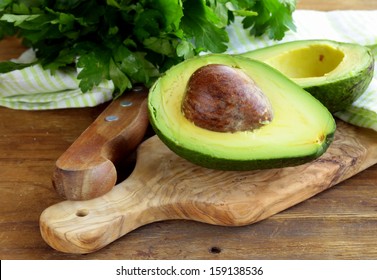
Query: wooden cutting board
x=164, y=186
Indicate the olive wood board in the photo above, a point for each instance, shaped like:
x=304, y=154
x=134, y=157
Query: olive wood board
x=164, y=186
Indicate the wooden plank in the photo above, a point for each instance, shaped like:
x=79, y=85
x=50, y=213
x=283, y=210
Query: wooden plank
x=338, y=223
x=325, y=5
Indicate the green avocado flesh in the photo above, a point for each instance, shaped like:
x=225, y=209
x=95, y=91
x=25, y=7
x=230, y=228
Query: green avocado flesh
x=335, y=73
x=300, y=131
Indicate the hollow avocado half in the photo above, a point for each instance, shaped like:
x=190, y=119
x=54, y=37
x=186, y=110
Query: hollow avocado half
x=300, y=131
x=335, y=73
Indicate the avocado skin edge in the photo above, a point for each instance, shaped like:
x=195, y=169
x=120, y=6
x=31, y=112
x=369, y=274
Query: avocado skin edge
x=335, y=95
x=211, y=162
x=354, y=86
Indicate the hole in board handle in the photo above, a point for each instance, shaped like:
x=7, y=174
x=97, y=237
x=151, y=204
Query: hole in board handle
x=82, y=212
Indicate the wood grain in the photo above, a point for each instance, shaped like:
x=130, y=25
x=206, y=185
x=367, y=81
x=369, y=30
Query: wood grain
x=338, y=223
x=326, y=5
x=164, y=186
x=87, y=169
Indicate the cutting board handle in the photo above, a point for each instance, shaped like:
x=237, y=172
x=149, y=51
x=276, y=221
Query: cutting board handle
x=87, y=168
x=87, y=226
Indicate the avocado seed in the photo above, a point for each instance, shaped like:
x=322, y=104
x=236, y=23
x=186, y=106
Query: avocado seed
x=224, y=99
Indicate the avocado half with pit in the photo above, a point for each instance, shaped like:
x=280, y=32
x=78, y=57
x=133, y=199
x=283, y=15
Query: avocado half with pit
x=335, y=73
x=233, y=113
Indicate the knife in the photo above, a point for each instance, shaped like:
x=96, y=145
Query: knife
x=87, y=169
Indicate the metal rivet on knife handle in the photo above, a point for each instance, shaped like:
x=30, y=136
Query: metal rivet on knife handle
x=111, y=118
x=126, y=103
x=138, y=88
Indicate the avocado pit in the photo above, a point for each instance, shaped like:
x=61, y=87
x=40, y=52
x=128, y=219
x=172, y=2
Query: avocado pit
x=224, y=99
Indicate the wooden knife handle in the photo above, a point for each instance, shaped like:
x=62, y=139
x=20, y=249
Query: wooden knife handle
x=86, y=169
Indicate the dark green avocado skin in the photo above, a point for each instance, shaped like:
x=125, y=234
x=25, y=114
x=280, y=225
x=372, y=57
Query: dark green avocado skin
x=225, y=164
x=332, y=95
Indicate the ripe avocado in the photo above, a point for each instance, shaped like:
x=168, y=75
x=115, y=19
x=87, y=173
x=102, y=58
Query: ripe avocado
x=335, y=73
x=298, y=128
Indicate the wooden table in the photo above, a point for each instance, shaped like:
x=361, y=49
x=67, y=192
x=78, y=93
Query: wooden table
x=340, y=223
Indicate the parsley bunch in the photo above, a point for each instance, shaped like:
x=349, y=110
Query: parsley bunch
x=130, y=41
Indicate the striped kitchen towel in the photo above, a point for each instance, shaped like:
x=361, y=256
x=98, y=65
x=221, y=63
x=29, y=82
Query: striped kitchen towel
x=34, y=88
x=343, y=26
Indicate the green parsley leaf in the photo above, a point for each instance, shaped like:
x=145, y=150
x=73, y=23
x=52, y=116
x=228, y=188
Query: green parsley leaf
x=274, y=18
x=200, y=24
x=95, y=69
x=7, y=66
x=118, y=77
